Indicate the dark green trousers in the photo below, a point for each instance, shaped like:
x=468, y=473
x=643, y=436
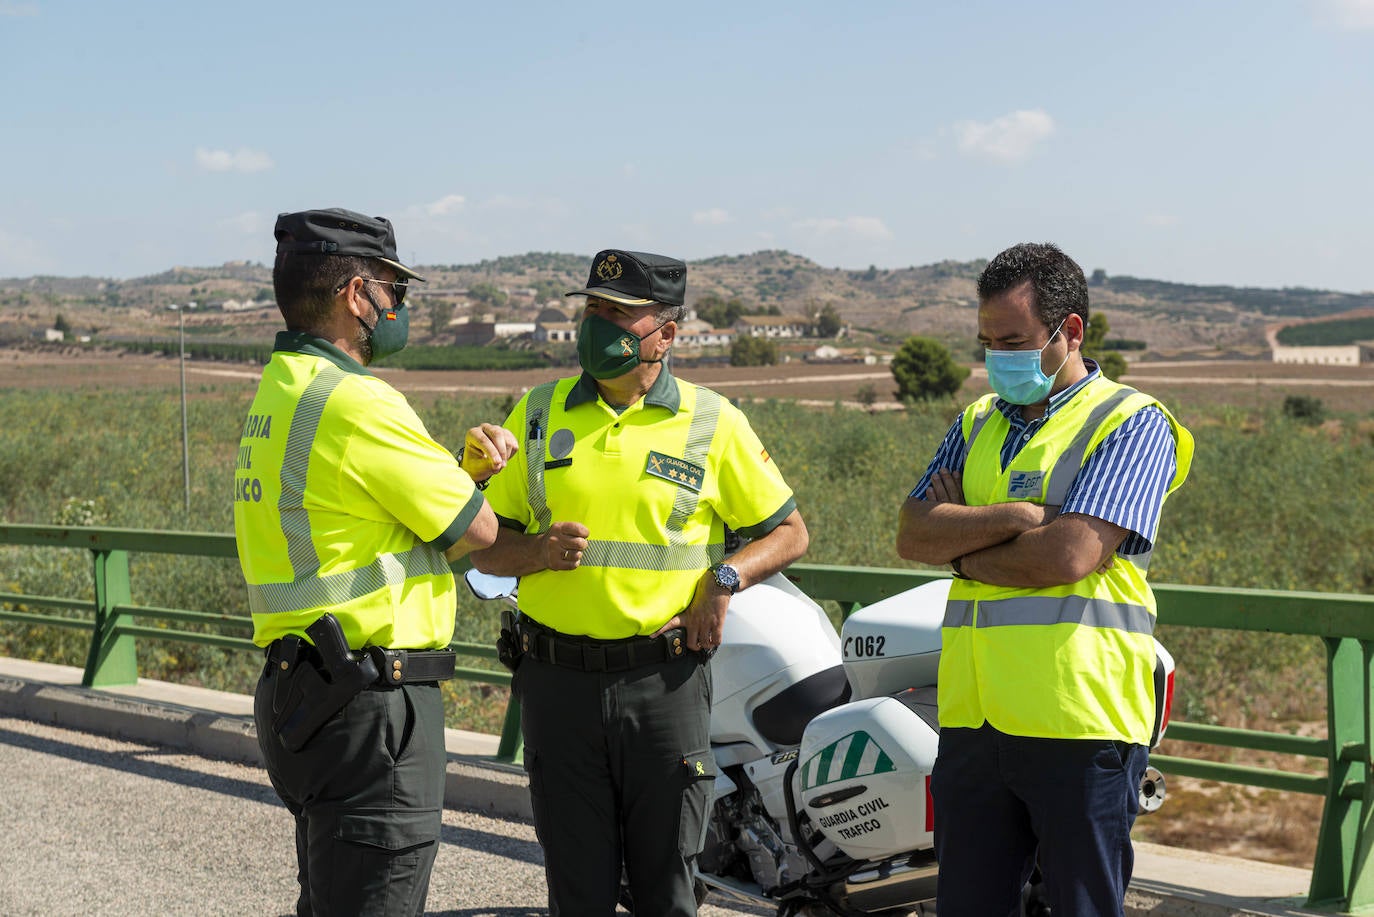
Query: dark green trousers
x=367, y=793
x=621, y=776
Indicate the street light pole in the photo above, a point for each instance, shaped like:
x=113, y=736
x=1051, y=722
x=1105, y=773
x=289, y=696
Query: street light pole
x=185, y=438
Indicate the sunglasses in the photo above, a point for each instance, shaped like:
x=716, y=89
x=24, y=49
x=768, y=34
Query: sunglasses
x=398, y=287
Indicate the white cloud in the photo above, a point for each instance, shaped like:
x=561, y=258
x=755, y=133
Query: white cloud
x=241, y=160
x=1009, y=138
x=18, y=10
x=446, y=205
x=715, y=216
x=861, y=227
x=1350, y=15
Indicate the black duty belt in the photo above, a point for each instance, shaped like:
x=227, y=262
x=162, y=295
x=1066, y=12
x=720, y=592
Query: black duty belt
x=588, y=655
x=394, y=667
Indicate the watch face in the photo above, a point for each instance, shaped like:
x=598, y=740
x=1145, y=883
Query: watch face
x=727, y=577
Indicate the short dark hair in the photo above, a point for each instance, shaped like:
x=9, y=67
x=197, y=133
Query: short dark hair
x=666, y=312
x=1057, y=280
x=305, y=284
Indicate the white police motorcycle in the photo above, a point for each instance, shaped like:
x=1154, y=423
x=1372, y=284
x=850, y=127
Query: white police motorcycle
x=824, y=745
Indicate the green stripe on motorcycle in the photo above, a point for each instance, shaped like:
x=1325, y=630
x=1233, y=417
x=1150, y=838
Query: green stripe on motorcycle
x=854, y=755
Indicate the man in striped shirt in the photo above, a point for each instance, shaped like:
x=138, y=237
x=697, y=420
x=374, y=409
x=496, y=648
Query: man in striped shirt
x=1044, y=497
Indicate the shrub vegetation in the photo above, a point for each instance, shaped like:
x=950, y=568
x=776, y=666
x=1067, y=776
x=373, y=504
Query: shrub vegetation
x=114, y=458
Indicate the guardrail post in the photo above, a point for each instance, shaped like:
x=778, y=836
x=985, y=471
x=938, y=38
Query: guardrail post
x=112, y=660
x=512, y=747
x=1343, y=871
x=1362, y=869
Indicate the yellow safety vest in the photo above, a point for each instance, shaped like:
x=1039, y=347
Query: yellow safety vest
x=655, y=484
x=1074, y=661
x=343, y=503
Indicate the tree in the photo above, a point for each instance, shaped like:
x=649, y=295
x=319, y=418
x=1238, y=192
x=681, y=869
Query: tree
x=1112, y=364
x=487, y=294
x=1305, y=409
x=924, y=369
x=440, y=314
x=718, y=312
x=828, y=323
x=545, y=290
x=747, y=350
x=61, y=324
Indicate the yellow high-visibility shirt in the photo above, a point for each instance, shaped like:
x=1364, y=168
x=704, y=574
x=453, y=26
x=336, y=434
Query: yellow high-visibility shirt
x=655, y=484
x=344, y=503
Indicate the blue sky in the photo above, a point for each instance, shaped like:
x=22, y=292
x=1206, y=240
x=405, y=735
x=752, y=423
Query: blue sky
x=1205, y=142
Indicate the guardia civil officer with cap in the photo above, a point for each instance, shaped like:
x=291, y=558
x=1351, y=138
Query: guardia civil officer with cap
x=613, y=514
x=347, y=514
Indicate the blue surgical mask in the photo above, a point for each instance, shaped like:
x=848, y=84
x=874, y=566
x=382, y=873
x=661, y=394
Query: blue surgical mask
x=1017, y=375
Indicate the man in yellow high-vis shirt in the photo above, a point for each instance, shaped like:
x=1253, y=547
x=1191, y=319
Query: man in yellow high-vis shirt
x=613, y=514
x=347, y=515
x=1045, y=498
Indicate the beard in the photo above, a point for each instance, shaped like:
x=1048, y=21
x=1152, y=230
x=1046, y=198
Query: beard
x=362, y=340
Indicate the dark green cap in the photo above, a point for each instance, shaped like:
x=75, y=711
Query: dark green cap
x=636, y=279
x=334, y=231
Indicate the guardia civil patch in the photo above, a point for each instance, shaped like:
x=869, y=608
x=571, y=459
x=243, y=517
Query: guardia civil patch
x=1025, y=485
x=683, y=474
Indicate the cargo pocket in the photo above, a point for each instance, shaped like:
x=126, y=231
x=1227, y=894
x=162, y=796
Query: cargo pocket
x=389, y=829
x=698, y=792
x=381, y=861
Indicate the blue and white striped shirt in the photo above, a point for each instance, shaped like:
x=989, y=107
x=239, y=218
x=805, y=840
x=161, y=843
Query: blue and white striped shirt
x=1123, y=482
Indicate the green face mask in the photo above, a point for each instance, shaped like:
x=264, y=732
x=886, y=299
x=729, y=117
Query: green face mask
x=607, y=351
x=390, y=333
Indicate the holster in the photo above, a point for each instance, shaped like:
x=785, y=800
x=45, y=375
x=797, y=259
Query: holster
x=508, y=648
x=313, y=685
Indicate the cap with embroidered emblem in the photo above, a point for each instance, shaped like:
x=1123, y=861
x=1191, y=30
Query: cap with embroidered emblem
x=636, y=279
x=335, y=231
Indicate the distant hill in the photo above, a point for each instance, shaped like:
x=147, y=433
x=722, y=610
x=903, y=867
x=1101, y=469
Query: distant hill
x=881, y=306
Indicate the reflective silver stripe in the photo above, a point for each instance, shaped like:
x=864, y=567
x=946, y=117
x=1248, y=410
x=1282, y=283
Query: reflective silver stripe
x=630, y=555
x=312, y=591
x=978, y=425
x=295, y=468
x=1069, y=609
x=1141, y=560
x=705, y=417
x=308, y=589
x=537, y=408
x=1066, y=467
x=958, y=613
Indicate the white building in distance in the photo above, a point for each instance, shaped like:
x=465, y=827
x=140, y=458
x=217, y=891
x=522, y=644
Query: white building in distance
x=1342, y=355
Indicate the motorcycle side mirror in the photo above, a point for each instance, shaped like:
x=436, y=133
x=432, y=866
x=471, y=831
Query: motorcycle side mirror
x=487, y=586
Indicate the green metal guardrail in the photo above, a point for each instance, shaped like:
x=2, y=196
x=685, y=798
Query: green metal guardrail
x=1343, y=871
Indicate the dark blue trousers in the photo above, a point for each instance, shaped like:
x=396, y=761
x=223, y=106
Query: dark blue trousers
x=1001, y=801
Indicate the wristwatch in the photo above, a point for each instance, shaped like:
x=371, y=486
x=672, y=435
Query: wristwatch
x=480, y=485
x=727, y=577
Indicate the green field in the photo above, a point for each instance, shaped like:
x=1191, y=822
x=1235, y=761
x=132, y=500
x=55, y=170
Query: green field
x=1272, y=503
x=1328, y=333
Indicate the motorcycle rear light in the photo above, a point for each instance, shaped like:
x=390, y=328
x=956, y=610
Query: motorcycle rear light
x=1168, y=702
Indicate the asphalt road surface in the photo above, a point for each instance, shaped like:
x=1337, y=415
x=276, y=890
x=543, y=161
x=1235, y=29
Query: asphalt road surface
x=97, y=826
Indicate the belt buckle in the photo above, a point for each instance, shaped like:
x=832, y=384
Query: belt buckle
x=593, y=658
